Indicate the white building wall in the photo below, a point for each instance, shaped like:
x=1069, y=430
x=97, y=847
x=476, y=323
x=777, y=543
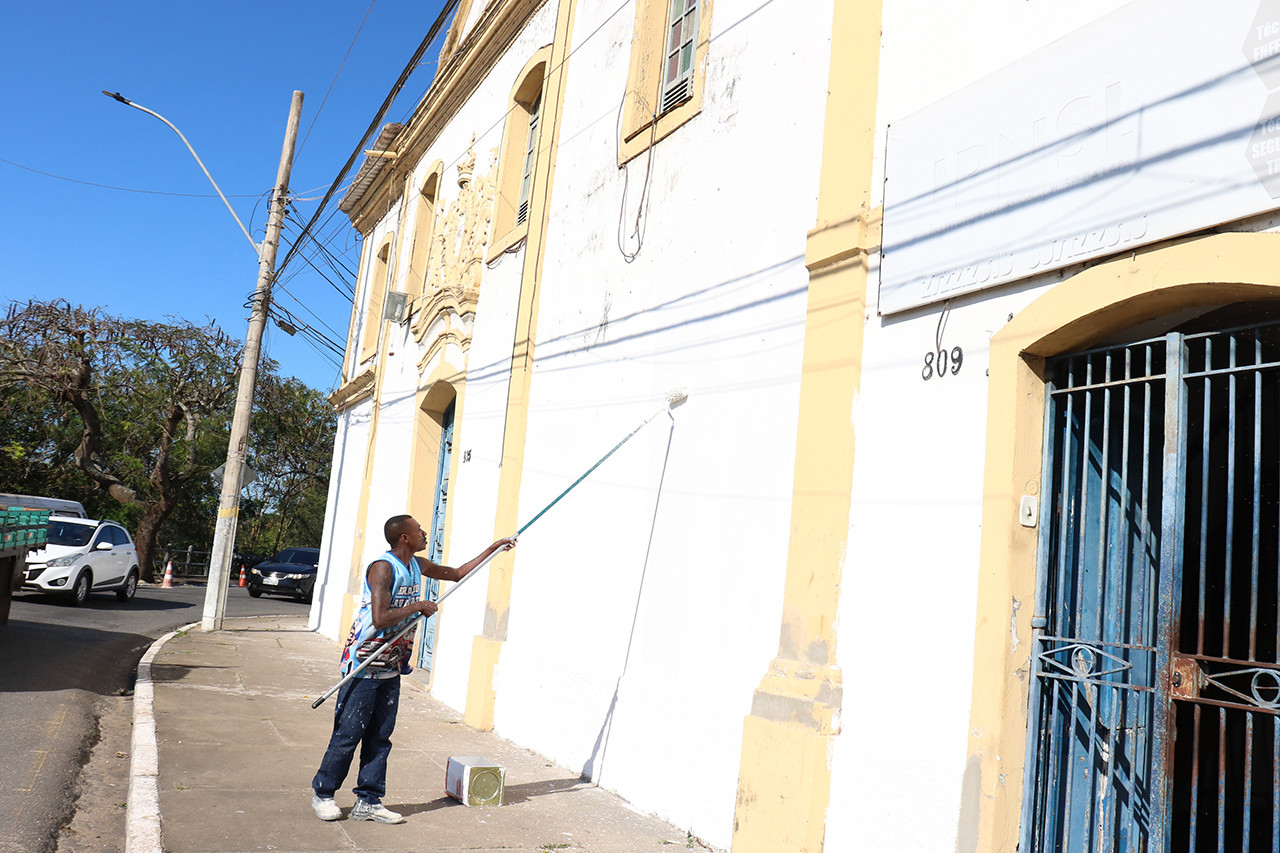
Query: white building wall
x=645, y=606
x=907, y=622
x=480, y=415
x=646, y=603
x=350, y=448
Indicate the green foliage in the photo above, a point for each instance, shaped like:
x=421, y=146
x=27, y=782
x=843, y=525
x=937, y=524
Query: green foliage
x=292, y=445
x=130, y=416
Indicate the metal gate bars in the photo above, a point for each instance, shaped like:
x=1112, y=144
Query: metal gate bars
x=1156, y=687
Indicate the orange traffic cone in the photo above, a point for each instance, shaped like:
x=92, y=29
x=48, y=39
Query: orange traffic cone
x=168, y=576
x=244, y=577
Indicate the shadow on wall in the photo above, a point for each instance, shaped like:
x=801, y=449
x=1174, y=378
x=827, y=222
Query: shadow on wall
x=595, y=764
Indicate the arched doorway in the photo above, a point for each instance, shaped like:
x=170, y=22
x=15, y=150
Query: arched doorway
x=1154, y=712
x=1105, y=306
x=435, y=533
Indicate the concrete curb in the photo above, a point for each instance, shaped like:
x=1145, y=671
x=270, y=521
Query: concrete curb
x=142, y=822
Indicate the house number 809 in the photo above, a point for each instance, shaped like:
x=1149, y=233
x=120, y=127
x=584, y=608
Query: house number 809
x=937, y=364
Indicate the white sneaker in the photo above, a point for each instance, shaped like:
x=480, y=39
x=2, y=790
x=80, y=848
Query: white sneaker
x=325, y=808
x=378, y=813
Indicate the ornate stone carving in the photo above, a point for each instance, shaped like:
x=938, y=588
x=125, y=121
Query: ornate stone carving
x=455, y=258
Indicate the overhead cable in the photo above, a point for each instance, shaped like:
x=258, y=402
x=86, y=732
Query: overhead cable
x=449, y=7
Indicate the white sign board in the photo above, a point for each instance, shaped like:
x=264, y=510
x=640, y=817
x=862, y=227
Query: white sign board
x=1161, y=119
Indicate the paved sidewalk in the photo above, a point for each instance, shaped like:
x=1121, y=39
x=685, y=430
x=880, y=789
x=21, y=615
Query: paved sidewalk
x=238, y=744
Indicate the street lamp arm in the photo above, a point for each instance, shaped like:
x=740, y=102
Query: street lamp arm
x=257, y=249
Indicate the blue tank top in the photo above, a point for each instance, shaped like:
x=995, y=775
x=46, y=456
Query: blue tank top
x=406, y=588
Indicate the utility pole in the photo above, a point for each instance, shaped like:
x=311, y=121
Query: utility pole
x=224, y=535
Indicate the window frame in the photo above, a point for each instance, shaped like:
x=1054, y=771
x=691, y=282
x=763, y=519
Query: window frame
x=677, y=87
x=521, y=146
x=376, y=286
x=645, y=118
x=530, y=160
x=424, y=228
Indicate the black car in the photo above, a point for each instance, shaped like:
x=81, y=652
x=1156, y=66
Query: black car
x=291, y=572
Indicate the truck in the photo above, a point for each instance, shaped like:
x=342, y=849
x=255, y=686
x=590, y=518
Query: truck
x=22, y=530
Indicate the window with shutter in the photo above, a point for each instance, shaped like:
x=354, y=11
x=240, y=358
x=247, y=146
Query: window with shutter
x=682, y=35
x=668, y=66
x=377, y=287
x=530, y=156
x=518, y=160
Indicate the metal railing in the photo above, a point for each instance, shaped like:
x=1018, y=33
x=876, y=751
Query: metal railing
x=189, y=562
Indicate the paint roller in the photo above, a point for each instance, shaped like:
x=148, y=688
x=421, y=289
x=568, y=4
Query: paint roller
x=674, y=399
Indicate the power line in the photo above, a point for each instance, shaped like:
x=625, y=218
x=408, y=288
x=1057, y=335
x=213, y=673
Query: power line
x=337, y=336
x=449, y=7
x=306, y=234
x=347, y=287
x=121, y=189
x=336, y=74
x=347, y=293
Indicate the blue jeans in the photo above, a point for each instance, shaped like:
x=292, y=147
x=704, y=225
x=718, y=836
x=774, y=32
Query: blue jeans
x=364, y=716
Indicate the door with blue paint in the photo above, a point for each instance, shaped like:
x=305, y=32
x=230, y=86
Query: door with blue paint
x=1155, y=690
x=435, y=535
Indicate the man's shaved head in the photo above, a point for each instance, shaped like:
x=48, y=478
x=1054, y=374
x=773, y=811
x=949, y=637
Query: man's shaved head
x=395, y=526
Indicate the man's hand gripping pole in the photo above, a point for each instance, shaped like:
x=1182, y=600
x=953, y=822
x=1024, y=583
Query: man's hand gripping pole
x=409, y=626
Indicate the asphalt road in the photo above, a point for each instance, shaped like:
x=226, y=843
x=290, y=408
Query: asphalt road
x=60, y=667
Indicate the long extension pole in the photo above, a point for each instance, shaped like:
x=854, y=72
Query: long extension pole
x=674, y=399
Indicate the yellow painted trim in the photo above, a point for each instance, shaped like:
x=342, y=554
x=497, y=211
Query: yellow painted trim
x=455, y=460
x=515, y=135
x=455, y=33
x=481, y=697
x=347, y=617
x=484, y=657
x=459, y=76
x=424, y=225
x=644, y=79
x=354, y=391
x=1093, y=306
x=375, y=295
x=784, y=779
x=433, y=397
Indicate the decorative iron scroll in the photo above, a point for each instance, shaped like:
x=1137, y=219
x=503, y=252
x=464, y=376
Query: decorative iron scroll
x=1250, y=686
x=1086, y=663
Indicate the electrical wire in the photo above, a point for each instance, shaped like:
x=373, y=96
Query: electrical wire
x=121, y=189
x=345, y=290
x=336, y=74
x=344, y=287
x=312, y=234
x=336, y=335
x=323, y=247
x=449, y=7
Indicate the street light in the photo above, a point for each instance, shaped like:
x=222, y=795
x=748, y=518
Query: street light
x=224, y=534
x=257, y=249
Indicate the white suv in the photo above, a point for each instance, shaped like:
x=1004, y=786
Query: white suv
x=84, y=555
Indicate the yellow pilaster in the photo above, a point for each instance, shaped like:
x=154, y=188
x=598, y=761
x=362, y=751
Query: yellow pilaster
x=481, y=695
x=784, y=780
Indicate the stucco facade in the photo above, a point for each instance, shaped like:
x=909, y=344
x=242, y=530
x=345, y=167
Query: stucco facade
x=816, y=582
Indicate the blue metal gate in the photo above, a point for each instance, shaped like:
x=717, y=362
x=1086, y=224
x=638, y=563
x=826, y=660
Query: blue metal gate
x=1152, y=719
x=435, y=547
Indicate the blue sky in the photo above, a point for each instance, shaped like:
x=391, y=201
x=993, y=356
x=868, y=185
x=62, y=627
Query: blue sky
x=223, y=73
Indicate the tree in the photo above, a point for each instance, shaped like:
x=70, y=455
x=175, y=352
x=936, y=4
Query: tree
x=290, y=448
x=139, y=393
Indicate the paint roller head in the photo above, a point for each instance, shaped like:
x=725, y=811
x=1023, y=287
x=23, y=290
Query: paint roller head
x=676, y=397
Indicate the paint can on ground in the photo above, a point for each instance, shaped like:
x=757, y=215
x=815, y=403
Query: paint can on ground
x=474, y=781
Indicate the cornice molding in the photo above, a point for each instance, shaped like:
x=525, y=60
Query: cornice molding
x=354, y=391
x=465, y=70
